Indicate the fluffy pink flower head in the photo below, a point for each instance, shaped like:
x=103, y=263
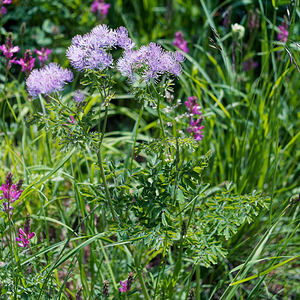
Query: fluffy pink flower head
x=283, y=32
x=99, y=6
x=43, y=54
x=25, y=235
x=6, y=1
x=9, y=49
x=180, y=43
x=27, y=63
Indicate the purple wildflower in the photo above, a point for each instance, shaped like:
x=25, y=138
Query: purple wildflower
x=195, y=126
x=193, y=106
x=6, y=2
x=3, y=11
x=48, y=79
x=100, y=7
x=196, y=129
x=88, y=52
x=72, y=120
x=43, y=54
x=27, y=63
x=149, y=63
x=78, y=96
x=180, y=43
x=283, y=32
x=25, y=235
x=11, y=192
x=123, y=288
x=9, y=49
x=123, y=40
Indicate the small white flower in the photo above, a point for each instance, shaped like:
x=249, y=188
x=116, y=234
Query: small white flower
x=238, y=29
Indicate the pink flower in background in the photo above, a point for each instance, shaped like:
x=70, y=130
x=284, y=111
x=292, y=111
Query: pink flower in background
x=193, y=106
x=123, y=288
x=43, y=54
x=100, y=7
x=11, y=192
x=25, y=235
x=3, y=11
x=283, y=32
x=8, y=49
x=72, y=120
x=196, y=129
x=180, y=43
x=27, y=63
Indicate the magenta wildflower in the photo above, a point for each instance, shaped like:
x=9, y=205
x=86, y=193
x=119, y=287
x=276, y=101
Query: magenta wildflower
x=9, y=49
x=27, y=63
x=180, y=43
x=193, y=106
x=72, y=120
x=195, y=126
x=283, y=32
x=6, y=2
x=43, y=54
x=123, y=288
x=11, y=192
x=196, y=129
x=78, y=96
x=3, y=11
x=25, y=235
x=100, y=7
x=48, y=79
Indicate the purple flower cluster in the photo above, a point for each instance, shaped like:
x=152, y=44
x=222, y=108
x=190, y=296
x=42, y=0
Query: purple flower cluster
x=149, y=63
x=78, y=96
x=180, y=43
x=3, y=9
x=89, y=51
x=195, y=126
x=25, y=235
x=99, y=7
x=11, y=193
x=193, y=106
x=283, y=32
x=48, y=79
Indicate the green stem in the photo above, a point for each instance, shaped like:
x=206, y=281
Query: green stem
x=198, y=287
x=143, y=286
x=108, y=266
x=105, y=186
x=135, y=132
x=160, y=118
